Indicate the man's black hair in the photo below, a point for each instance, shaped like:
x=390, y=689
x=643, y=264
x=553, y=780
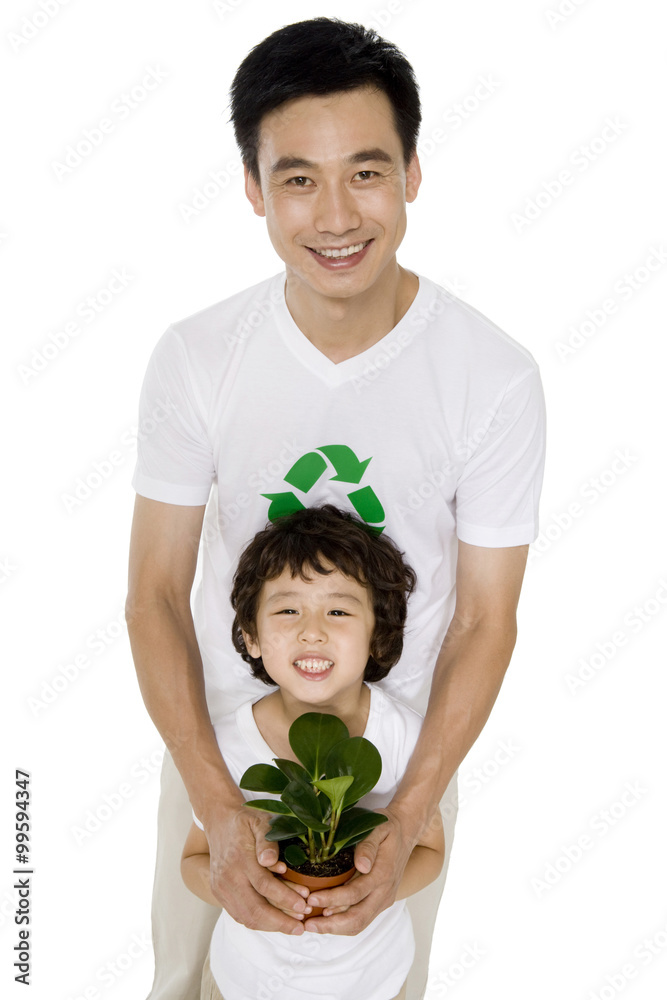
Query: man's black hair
x=320, y=56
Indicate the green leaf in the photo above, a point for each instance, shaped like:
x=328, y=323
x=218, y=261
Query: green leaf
x=304, y=803
x=312, y=736
x=285, y=827
x=293, y=771
x=334, y=789
x=269, y=806
x=358, y=757
x=295, y=856
x=355, y=824
x=263, y=778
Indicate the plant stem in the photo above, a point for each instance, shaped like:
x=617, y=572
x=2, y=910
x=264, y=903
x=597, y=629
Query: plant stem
x=335, y=819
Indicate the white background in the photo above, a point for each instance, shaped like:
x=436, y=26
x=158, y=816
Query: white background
x=547, y=895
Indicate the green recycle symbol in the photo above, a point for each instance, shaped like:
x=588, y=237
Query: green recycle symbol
x=310, y=468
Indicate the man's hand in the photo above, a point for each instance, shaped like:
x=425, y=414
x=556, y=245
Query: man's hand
x=243, y=884
x=380, y=860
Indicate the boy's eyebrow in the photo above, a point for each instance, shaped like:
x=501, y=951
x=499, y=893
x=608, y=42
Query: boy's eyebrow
x=283, y=594
x=299, y=163
x=349, y=597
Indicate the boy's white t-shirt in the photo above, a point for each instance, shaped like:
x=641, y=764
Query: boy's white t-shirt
x=435, y=433
x=248, y=964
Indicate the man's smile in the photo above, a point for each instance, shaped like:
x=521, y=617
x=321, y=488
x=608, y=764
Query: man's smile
x=342, y=251
x=343, y=258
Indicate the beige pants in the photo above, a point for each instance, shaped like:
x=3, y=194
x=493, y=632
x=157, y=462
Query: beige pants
x=210, y=991
x=183, y=924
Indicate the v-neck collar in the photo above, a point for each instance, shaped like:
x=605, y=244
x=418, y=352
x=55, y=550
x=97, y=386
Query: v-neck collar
x=319, y=364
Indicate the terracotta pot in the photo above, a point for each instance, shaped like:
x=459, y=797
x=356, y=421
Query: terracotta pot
x=314, y=882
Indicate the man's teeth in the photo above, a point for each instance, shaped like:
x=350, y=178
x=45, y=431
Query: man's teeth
x=345, y=252
x=314, y=666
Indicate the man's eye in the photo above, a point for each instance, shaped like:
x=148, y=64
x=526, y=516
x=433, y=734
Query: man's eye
x=299, y=181
x=368, y=174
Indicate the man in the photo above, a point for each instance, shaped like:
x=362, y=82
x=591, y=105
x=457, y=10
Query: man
x=349, y=379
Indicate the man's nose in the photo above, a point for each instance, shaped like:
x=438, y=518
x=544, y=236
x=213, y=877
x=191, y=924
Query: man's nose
x=336, y=211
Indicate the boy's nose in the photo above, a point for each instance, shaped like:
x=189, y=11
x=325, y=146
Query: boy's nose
x=312, y=630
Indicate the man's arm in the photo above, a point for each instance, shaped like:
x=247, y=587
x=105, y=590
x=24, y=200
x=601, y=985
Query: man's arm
x=468, y=675
x=163, y=559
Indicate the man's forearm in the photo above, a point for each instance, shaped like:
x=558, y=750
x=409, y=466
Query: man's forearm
x=467, y=678
x=169, y=669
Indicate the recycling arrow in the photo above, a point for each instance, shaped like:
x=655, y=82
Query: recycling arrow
x=282, y=504
x=345, y=462
x=309, y=469
x=306, y=471
x=367, y=504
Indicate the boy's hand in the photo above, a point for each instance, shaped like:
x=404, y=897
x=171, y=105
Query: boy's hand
x=383, y=855
x=244, y=886
x=301, y=889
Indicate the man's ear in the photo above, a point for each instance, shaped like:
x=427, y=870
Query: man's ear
x=252, y=645
x=253, y=193
x=413, y=177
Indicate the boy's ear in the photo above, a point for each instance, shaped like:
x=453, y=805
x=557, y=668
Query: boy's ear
x=252, y=645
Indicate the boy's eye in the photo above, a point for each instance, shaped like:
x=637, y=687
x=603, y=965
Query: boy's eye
x=286, y=611
x=338, y=611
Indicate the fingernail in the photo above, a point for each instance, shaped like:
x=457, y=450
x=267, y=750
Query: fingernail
x=266, y=857
x=297, y=930
x=313, y=900
x=364, y=866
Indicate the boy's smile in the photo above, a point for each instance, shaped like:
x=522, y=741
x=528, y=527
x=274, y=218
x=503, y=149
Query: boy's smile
x=314, y=638
x=313, y=668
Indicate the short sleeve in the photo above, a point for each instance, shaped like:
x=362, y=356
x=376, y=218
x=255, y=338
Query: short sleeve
x=174, y=455
x=497, y=496
x=197, y=822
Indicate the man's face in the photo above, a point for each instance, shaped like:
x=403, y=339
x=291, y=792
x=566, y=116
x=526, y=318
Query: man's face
x=333, y=179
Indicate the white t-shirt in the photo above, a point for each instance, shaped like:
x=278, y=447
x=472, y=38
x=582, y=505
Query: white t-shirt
x=371, y=965
x=435, y=433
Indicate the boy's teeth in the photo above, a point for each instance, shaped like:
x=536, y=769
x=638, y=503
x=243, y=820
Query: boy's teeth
x=345, y=252
x=314, y=666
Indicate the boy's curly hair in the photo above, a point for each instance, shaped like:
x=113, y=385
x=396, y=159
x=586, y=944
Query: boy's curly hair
x=302, y=541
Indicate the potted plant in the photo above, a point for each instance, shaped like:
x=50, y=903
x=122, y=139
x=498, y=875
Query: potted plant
x=316, y=819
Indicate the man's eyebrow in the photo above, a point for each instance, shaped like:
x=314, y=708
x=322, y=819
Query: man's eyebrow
x=375, y=155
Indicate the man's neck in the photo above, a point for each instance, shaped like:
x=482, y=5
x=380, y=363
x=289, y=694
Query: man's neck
x=341, y=328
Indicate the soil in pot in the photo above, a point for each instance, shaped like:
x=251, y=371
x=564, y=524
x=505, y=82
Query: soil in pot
x=334, y=871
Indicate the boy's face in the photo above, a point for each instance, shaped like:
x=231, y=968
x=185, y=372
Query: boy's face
x=314, y=635
x=333, y=177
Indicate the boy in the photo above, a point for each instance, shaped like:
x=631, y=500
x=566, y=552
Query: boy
x=320, y=602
